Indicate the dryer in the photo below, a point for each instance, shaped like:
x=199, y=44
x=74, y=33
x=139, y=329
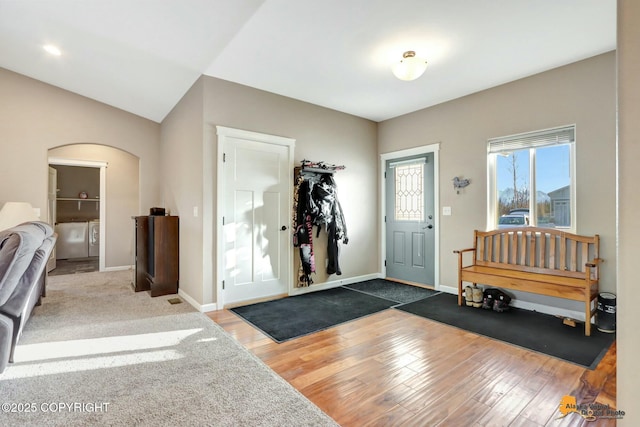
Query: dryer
x=94, y=237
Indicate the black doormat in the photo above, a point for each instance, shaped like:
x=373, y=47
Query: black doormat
x=293, y=317
x=529, y=329
x=394, y=291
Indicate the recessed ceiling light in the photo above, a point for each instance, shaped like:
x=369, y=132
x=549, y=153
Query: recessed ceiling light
x=53, y=50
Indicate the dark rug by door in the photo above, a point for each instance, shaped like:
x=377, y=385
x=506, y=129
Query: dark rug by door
x=390, y=290
x=532, y=330
x=293, y=317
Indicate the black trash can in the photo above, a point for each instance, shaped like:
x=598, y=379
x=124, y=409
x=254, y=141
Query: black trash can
x=606, y=313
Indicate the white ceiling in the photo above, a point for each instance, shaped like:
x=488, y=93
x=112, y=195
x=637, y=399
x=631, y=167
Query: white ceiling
x=143, y=55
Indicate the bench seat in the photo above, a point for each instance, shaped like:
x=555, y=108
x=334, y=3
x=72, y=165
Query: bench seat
x=537, y=283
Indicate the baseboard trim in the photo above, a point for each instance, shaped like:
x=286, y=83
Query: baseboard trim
x=531, y=306
x=254, y=301
x=208, y=307
x=202, y=308
x=554, y=311
x=119, y=268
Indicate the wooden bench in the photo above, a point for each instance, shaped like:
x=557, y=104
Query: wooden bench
x=537, y=260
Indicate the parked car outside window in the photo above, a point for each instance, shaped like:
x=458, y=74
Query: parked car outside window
x=510, y=220
x=525, y=212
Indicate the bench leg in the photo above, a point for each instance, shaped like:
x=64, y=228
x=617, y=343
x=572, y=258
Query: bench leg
x=588, y=314
x=460, y=292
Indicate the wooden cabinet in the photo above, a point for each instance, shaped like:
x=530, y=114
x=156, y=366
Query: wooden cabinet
x=157, y=254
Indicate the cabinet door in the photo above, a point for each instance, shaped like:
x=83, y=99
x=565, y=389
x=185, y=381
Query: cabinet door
x=165, y=255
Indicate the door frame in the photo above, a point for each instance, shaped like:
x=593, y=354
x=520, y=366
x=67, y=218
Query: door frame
x=52, y=211
x=394, y=155
x=222, y=133
x=103, y=197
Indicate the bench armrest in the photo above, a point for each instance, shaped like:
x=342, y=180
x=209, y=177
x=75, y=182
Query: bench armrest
x=459, y=251
x=594, y=262
x=592, y=269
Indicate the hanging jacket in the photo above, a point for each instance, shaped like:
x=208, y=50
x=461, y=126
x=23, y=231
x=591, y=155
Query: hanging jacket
x=325, y=206
x=317, y=203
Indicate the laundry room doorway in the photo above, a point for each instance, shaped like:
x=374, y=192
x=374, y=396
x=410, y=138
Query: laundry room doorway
x=76, y=208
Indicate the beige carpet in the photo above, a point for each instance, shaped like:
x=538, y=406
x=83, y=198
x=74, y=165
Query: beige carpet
x=96, y=353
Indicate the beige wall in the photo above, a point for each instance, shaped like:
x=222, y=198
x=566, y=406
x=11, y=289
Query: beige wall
x=628, y=380
x=321, y=134
x=582, y=93
x=37, y=117
x=122, y=198
x=182, y=166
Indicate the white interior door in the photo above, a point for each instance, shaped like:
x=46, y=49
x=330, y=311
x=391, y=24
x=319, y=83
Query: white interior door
x=256, y=218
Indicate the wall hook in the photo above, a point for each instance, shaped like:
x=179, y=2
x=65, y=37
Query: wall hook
x=459, y=183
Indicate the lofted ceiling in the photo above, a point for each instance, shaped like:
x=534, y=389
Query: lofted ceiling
x=143, y=55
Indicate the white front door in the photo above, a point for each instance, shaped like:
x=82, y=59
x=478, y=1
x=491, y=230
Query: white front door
x=256, y=216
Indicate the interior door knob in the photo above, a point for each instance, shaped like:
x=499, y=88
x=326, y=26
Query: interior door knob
x=284, y=227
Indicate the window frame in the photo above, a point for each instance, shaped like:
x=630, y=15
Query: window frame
x=492, y=199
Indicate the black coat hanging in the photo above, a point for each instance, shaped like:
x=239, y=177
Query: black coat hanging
x=316, y=203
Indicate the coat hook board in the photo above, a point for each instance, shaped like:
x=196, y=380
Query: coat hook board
x=308, y=167
x=459, y=183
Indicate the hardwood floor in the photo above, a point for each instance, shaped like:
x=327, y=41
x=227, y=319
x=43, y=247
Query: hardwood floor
x=396, y=369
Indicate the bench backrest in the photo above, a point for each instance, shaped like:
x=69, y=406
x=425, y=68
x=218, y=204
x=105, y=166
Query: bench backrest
x=543, y=250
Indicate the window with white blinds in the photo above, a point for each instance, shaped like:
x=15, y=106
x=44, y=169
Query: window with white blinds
x=531, y=175
x=543, y=138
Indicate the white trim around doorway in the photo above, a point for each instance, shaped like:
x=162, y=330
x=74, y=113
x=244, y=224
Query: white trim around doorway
x=221, y=133
x=425, y=149
x=103, y=197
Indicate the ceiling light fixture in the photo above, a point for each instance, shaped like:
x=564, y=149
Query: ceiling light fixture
x=410, y=66
x=53, y=50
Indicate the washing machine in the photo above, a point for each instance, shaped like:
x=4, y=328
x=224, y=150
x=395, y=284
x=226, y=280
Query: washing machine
x=94, y=237
x=72, y=240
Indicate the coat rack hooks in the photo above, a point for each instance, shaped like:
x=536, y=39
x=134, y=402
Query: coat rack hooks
x=319, y=167
x=459, y=183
